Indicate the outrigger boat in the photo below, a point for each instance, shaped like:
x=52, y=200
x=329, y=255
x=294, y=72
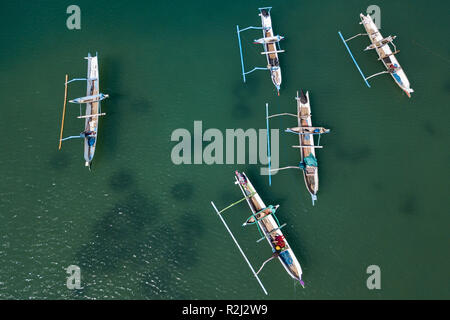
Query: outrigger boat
x=385, y=54
x=306, y=132
x=93, y=109
x=269, y=229
x=271, y=45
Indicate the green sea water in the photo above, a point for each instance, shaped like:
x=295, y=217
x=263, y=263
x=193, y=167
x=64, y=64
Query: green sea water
x=141, y=227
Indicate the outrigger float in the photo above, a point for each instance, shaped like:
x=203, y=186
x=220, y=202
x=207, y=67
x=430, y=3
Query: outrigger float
x=306, y=132
x=93, y=109
x=268, y=227
x=271, y=45
x=385, y=54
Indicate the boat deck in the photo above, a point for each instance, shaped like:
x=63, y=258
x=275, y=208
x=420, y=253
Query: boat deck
x=304, y=120
x=269, y=225
x=91, y=123
x=384, y=51
x=271, y=47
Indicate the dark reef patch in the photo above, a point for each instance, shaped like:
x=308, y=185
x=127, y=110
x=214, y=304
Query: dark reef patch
x=119, y=235
x=59, y=161
x=409, y=204
x=176, y=248
x=182, y=191
x=121, y=180
x=429, y=128
x=141, y=105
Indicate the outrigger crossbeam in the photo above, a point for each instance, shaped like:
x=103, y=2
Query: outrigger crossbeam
x=359, y=34
x=377, y=74
x=81, y=100
x=382, y=43
x=278, y=38
x=284, y=168
x=390, y=54
x=90, y=99
x=282, y=114
x=80, y=79
x=235, y=241
x=240, y=50
x=270, y=52
x=289, y=130
x=92, y=115
x=72, y=137
x=314, y=147
x=265, y=235
x=303, y=133
x=351, y=55
x=387, y=40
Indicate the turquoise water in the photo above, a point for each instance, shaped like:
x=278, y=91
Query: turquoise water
x=140, y=227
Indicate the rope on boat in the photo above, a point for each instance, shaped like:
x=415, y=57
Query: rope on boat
x=235, y=203
x=272, y=213
x=434, y=53
x=278, y=222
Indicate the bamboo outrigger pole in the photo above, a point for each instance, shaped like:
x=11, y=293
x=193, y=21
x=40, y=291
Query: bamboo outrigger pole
x=239, y=247
x=268, y=141
x=64, y=112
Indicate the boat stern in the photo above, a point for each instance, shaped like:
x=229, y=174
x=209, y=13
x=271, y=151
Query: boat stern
x=291, y=265
x=313, y=198
x=302, y=283
x=276, y=78
x=408, y=91
x=402, y=81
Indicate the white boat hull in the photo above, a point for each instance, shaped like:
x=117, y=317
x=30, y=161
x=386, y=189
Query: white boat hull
x=287, y=258
x=386, y=55
x=273, y=63
x=311, y=181
x=92, y=108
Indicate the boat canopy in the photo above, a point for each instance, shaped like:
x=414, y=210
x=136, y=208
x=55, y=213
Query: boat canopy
x=310, y=160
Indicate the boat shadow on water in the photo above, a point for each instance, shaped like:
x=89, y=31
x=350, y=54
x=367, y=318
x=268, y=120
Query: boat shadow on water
x=117, y=235
x=241, y=108
x=122, y=180
x=408, y=204
x=59, y=160
x=179, y=254
x=110, y=126
x=182, y=191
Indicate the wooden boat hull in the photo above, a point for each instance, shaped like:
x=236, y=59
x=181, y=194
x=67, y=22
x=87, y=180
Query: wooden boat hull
x=273, y=63
x=385, y=54
x=91, y=123
x=310, y=173
x=268, y=224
